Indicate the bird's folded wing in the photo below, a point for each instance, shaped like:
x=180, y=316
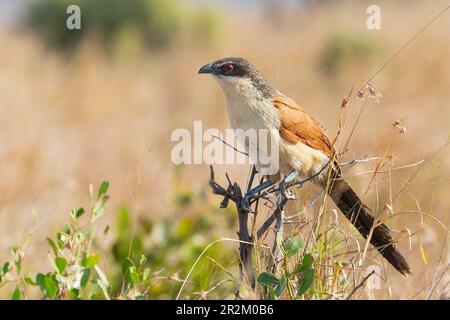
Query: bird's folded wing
x=298, y=127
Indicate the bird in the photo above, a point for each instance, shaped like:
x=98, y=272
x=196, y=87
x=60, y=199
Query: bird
x=252, y=103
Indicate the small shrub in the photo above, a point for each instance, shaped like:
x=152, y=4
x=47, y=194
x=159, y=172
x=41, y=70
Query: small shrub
x=155, y=23
x=343, y=49
x=148, y=260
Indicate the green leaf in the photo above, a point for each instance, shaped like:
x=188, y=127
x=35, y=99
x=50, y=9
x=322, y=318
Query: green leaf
x=126, y=265
x=18, y=265
x=61, y=264
x=306, y=281
x=99, y=208
x=142, y=260
x=292, y=245
x=74, y=294
x=306, y=264
x=62, y=238
x=85, y=277
x=40, y=279
x=90, y=261
x=76, y=213
x=52, y=245
x=308, y=260
x=17, y=258
x=66, y=229
x=30, y=281
x=93, y=260
x=15, y=250
x=145, y=274
x=133, y=275
x=268, y=279
x=47, y=284
x=84, y=259
x=80, y=212
x=103, y=189
x=279, y=289
x=16, y=294
x=51, y=287
x=5, y=268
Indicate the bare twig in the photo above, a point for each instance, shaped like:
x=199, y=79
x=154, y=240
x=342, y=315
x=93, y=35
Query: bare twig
x=356, y=161
x=408, y=43
x=231, y=146
x=234, y=193
x=363, y=282
x=309, y=205
x=282, y=201
x=276, y=253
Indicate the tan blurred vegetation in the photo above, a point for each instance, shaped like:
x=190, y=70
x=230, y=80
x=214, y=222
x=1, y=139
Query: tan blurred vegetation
x=68, y=122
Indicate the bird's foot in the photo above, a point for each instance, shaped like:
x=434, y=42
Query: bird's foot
x=284, y=192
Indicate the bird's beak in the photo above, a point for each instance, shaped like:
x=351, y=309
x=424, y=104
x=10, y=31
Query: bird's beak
x=207, y=68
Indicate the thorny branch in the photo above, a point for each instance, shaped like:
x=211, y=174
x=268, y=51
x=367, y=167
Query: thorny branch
x=244, y=203
x=233, y=192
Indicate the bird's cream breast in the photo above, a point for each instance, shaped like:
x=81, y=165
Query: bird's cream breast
x=248, y=109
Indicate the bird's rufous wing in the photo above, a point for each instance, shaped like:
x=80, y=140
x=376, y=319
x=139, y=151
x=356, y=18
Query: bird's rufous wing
x=298, y=127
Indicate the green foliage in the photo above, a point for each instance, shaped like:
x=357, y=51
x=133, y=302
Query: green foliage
x=155, y=23
x=206, y=25
x=306, y=272
x=298, y=281
x=342, y=49
x=170, y=250
x=153, y=258
x=16, y=294
x=268, y=279
x=149, y=259
x=292, y=245
x=76, y=272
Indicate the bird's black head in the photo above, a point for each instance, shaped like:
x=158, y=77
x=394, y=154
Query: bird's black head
x=232, y=71
x=236, y=67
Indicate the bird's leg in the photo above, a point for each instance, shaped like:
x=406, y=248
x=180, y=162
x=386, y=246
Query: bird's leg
x=287, y=194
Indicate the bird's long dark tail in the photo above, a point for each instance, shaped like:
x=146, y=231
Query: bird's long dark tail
x=361, y=217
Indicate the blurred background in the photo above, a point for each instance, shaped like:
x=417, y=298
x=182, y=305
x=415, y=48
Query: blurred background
x=81, y=106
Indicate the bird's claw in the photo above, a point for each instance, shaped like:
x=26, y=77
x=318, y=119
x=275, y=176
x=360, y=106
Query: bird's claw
x=284, y=192
x=287, y=194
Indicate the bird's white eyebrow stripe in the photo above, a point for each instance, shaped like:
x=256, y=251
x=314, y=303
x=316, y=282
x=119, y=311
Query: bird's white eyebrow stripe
x=224, y=63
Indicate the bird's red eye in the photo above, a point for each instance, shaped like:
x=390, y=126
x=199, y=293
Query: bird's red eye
x=228, y=68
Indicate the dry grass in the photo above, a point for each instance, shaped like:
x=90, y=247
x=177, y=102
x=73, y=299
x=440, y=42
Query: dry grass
x=68, y=123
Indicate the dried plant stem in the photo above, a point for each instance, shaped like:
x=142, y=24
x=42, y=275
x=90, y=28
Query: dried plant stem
x=274, y=264
x=362, y=283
